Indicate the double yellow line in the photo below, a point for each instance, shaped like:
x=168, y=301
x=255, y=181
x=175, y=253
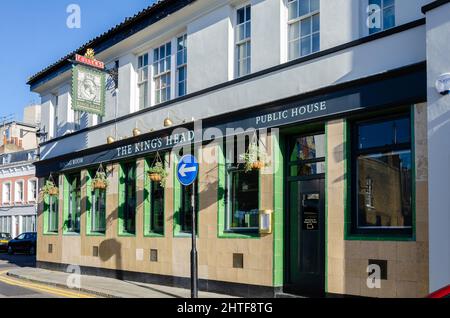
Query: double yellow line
x=42, y=288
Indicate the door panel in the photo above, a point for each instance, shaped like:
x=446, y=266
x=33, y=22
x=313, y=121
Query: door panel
x=306, y=238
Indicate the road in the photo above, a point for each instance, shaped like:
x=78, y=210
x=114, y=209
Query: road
x=14, y=288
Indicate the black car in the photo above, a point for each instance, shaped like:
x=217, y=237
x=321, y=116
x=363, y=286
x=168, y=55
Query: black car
x=4, y=240
x=24, y=243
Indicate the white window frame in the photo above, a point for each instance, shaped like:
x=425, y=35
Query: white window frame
x=183, y=65
x=168, y=73
x=30, y=196
x=6, y=200
x=382, y=9
x=56, y=117
x=77, y=117
x=142, y=83
x=17, y=198
x=238, y=43
x=299, y=20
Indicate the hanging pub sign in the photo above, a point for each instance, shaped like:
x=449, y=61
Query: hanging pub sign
x=88, y=84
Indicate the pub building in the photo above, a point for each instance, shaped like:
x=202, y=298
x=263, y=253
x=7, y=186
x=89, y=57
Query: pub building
x=310, y=120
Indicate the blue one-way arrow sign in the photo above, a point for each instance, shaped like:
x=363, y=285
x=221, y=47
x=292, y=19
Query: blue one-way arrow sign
x=187, y=170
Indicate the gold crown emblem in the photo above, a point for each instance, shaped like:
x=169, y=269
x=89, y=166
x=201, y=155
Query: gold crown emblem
x=90, y=54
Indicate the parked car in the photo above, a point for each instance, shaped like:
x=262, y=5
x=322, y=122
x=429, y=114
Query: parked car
x=24, y=243
x=4, y=240
x=441, y=293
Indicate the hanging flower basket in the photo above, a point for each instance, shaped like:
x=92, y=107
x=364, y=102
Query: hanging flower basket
x=254, y=157
x=157, y=173
x=50, y=188
x=100, y=181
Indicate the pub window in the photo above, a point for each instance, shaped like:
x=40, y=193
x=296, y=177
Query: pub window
x=127, y=217
x=184, y=201
x=97, y=206
x=382, y=15
x=383, y=162
x=155, y=203
x=241, y=189
x=304, y=27
x=52, y=213
x=73, y=206
x=186, y=208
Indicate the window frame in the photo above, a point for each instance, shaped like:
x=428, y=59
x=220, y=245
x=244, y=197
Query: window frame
x=143, y=83
x=167, y=73
x=181, y=66
x=299, y=19
x=148, y=187
x=306, y=161
x=48, y=212
x=7, y=202
x=90, y=230
x=229, y=169
x=69, y=201
x=353, y=230
x=16, y=191
x=32, y=197
x=178, y=195
x=241, y=43
x=382, y=9
x=122, y=199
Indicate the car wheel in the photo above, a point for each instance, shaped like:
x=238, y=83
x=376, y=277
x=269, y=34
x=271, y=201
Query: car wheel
x=10, y=250
x=32, y=250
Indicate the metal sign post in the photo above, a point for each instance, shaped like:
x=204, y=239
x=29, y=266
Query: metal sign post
x=187, y=172
x=194, y=257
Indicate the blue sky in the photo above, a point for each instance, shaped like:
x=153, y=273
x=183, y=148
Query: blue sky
x=33, y=35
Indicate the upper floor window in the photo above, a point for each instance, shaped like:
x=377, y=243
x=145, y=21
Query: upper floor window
x=55, y=117
x=182, y=65
x=243, y=40
x=77, y=115
x=6, y=193
x=32, y=190
x=18, y=191
x=304, y=27
x=381, y=15
x=143, y=81
x=161, y=72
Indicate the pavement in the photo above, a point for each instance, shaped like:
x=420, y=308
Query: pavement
x=15, y=288
x=102, y=286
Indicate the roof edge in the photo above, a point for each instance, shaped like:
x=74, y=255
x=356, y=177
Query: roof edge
x=434, y=5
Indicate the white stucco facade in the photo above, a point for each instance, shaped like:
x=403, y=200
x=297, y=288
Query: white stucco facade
x=438, y=46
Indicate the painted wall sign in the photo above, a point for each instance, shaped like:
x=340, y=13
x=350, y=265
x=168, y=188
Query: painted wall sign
x=131, y=150
x=443, y=84
x=88, y=90
x=88, y=61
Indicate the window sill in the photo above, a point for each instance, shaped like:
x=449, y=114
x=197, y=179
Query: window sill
x=95, y=234
x=127, y=235
x=240, y=234
x=71, y=234
x=183, y=235
x=50, y=234
x=154, y=235
x=385, y=238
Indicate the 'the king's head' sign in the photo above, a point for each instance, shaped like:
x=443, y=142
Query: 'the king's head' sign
x=88, y=85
